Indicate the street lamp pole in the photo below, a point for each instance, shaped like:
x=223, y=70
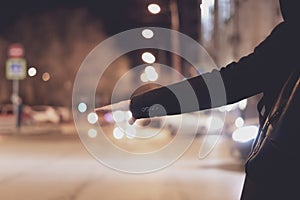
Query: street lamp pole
x=175, y=25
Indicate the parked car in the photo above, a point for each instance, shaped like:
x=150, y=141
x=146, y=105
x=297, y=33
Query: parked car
x=44, y=114
x=7, y=118
x=7, y=115
x=64, y=113
x=193, y=124
x=6, y=109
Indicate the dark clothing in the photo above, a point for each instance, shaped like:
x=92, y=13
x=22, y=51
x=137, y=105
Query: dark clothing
x=263, y=71
x=272, y=168
x=290, y=10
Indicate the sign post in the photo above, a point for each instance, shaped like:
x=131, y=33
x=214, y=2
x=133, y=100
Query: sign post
x=15, y=71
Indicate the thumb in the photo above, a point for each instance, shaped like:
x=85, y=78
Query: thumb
x=131, y=120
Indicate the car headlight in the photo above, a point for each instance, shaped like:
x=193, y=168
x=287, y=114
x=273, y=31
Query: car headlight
x=245, y=134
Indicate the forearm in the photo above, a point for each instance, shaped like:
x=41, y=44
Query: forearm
x=186, y=96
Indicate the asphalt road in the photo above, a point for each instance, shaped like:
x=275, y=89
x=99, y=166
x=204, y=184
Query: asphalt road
x=58, y=167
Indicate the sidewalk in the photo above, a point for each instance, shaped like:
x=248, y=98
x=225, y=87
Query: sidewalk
x=65, y=129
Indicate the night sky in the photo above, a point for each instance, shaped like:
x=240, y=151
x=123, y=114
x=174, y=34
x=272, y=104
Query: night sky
x=115, y=15
x=109, y=12
x=58, y=34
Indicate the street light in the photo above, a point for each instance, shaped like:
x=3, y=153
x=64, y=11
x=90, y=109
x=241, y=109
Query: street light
x=32, y=71
x=82, y=107
x=147, y=33
x=154, y=8
x=149, y=74
x=148, y=58
x=46, y=76
x=92, y=118
x=175, y=25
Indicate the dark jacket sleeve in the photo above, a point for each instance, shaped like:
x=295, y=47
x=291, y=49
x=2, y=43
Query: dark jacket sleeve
x=249, y=76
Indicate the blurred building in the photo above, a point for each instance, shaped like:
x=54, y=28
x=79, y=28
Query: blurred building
x=57, y=40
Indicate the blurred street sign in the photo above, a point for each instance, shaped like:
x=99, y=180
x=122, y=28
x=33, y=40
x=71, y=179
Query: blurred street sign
x=15, y=71
x=15, y=68
x=16, y=50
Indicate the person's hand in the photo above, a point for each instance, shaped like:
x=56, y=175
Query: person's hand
x=123, y=105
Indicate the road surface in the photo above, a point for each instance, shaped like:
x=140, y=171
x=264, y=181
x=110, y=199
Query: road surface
x=58, y=167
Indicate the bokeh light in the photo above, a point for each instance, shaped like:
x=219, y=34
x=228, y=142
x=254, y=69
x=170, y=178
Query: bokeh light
x=239, y=122
x=82, y=107
x=245, y=134
x=92, y=118
x=147, y=33
x=243, y=104
x=154, y=8
x=118, y=133
x=92, y=133
x=32, y=71
x=46, y=76
x=148, y=58
x=119, y=116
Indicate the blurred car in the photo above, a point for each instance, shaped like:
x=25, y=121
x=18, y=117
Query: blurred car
x=64, y=113
x=214, y=121
x=243, y=138
x=192, y=124
x=6, y=109
x=241, y=128
x=44, y=114
x=7, y=115
x=7, y=118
